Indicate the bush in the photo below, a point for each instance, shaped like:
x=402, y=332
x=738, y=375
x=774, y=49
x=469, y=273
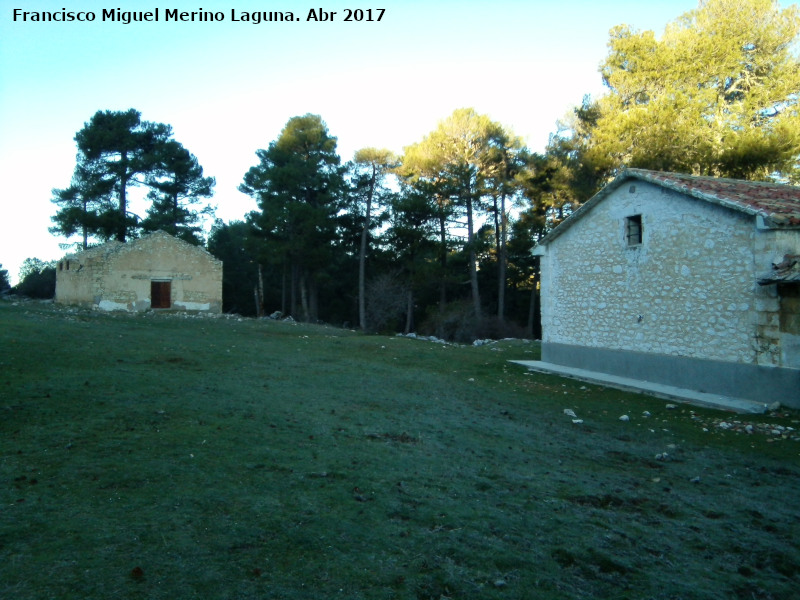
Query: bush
x=457, y=323
x=495, y=329
x=4, y=283
x=38, y=284
x=386, y=304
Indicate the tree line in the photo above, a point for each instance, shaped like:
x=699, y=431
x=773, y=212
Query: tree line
x=438, y=239
x=385, y=241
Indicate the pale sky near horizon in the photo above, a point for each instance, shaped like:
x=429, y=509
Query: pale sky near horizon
x=228, y=87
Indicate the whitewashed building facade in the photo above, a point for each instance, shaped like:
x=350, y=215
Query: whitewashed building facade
x=682, y=280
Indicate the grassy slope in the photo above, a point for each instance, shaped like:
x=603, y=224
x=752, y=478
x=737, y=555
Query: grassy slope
x=164, y=457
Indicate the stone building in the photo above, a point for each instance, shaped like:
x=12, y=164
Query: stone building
x=156, y=271
x=693, y=282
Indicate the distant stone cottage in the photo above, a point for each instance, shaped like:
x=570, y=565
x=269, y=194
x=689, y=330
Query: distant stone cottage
x=156, y=271
x=687, y=281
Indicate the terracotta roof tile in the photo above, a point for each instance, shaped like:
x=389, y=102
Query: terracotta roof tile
x=778, y=204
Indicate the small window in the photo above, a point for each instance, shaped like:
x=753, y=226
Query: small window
x=67, y=265
x=633, y=230
x=61, y=266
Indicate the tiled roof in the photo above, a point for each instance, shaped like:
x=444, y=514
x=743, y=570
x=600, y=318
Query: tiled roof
x=778, y=204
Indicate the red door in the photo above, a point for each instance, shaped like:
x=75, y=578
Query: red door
x=160, y=294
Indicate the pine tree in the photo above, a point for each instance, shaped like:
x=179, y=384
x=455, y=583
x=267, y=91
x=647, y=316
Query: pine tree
x=372, y=166
x=177, y=189
x=118, y=149
x=459, y=158
x=298, y=185
x=86, y=207
x=716, y=95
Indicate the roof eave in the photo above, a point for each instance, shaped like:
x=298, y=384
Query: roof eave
x=765, y=221
x=676, y=186
x=586, y=207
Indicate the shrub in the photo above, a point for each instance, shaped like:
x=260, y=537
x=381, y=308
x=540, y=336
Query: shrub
x=386, y=303
x=38, y=284
x=4, y=283
x=457, y=323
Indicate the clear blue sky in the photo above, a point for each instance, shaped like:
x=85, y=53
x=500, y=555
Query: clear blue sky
x=228, y=88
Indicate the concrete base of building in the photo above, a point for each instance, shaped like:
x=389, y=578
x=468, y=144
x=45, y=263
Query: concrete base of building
x=667, y=392
x=735, y=386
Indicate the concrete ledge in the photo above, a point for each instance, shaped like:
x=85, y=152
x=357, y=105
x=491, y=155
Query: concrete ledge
x=760, y=384
x=739, y=405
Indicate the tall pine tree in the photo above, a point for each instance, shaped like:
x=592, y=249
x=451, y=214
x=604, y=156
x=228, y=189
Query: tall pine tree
x=177, y=189
x=117, y=151
x=717, y=94
x=371, y=166
x=298, y=185
x=118, y=148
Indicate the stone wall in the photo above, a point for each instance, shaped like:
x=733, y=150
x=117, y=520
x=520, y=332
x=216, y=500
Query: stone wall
x=79, y=275
x=689, y=289
x=118, y=276
x=776, y=340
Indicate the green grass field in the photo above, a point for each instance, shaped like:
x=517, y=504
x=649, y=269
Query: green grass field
x=172, y=457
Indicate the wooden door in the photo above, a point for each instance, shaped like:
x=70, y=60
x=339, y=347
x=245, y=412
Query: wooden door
x=160, y=294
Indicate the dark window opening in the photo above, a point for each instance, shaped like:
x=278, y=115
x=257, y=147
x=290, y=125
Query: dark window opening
x=789, y=315
x=160, y=294
x=633, y=230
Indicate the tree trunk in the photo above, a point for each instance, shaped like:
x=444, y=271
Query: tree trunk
x=313, y=299
x=174, y=223
x=531, y=313
x=304, y=297
x=409, y=311
x=362, y=259
x=293, y=291
x=501, y=259
x=442, y=262
x=85, y=229
x=473, y=266
x=123, y=199
x=534, y=328
x=497, y=221
x=283, y=288
x=260, y=307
